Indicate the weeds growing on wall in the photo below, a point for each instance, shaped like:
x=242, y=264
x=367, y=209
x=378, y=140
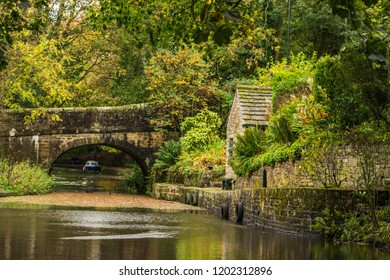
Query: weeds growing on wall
x=323, y=160
x=370, y=147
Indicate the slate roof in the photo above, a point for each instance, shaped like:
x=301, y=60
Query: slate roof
x=255, y=104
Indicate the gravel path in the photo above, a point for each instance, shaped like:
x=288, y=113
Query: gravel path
x=98, y=200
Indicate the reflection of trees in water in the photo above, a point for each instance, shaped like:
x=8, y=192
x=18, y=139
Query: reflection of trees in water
x=76, y=180
x=111, y=179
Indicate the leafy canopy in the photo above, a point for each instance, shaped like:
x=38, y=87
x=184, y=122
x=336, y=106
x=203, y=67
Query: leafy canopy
x=179, y=85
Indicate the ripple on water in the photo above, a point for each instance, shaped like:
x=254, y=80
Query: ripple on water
x=143, y=235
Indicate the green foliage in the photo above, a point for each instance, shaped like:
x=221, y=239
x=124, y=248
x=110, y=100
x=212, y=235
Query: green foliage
x=134, y=180
x=14, y=18
x=291, y=79
x=354, y=227
x=197, y=21
x=384, y=215
x=199, y=148
x=179, y=86
x=35, y=75
x=279, y=153
x=318, y=29
x=200, y=131
x=167, y=155
x=129, y=85
x=192, y=165
x=23, y=178
x=5, y=170
x=246, y=148
x=330, y=223
x=283, y=126
x=341, y=83
x=164, y=168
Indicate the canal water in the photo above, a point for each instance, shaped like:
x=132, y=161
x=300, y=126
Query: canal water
x=31, y=232
x=109, y=179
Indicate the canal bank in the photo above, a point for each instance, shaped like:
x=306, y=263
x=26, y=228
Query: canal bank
x=291, y=210
x=98, y=200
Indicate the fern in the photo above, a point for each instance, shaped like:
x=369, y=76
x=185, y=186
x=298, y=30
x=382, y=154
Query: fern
x=246, y=147
x=167, y=155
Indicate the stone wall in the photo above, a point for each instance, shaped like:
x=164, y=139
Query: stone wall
x=283, y=209
x=235, y=124
x=293, y=174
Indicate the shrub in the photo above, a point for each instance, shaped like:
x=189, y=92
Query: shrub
x=4, y=174
x=284, y=126
x=193, y=164
x=24, y=178
x=200, y=131
x=135, y=183
x=354, y=227
x=291, y=79
x=167, y=155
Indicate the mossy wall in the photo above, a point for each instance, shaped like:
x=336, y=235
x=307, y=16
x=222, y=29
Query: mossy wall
x=289, y=210
x=294, y=174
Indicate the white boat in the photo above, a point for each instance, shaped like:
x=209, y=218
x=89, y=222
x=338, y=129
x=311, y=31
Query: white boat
x=91, y=165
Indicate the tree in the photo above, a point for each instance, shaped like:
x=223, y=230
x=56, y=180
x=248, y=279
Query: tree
x=370, y=147
x=14, y=18
x=35, y=76
x=314, y=28
x=185, y=21
x=66, y=64
x=179, y=86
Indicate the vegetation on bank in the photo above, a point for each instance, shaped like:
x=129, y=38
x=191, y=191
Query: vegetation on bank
x=198, y=150
x=356, y=227
x=22, y=178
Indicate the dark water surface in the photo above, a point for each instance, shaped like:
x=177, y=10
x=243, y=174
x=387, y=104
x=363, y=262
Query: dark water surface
x=28, y=232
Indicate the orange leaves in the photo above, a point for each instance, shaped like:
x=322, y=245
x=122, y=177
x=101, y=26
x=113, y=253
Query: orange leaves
x=311, y=113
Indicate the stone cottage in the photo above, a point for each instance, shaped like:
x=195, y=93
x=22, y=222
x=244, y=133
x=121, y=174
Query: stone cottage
x=251, y=107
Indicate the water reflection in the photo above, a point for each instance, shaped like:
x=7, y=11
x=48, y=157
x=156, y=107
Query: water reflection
x=143, y=234
x=76, y=180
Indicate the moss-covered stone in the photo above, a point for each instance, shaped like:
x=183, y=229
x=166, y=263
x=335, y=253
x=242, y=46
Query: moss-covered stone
x=285, y=209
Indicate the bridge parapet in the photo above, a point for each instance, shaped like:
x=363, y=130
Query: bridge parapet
x=133, y=118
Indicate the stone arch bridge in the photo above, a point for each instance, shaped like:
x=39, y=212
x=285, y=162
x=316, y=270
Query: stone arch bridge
x=126, y=128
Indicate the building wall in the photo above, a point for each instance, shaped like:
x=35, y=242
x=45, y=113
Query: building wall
x=234, y=127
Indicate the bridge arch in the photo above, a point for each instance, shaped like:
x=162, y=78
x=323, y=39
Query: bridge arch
x=126, y=128
x=140, y=157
